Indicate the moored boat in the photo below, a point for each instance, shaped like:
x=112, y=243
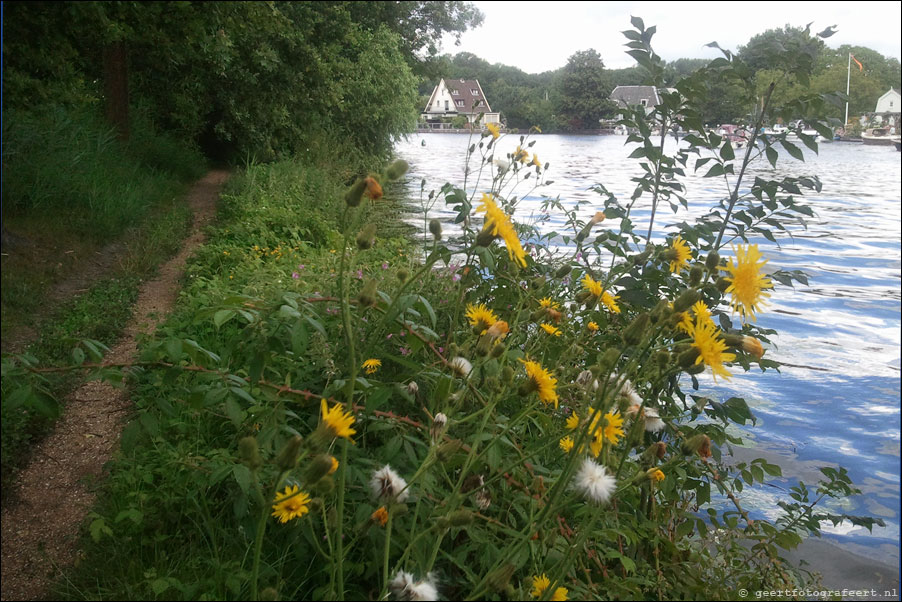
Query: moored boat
x=878, y=136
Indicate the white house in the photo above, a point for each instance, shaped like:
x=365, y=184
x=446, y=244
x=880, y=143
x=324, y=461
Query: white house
x=630, y=96
x=453, y=97
x=889, y=102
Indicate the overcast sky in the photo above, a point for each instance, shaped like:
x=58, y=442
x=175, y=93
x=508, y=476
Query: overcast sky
x=541, y=36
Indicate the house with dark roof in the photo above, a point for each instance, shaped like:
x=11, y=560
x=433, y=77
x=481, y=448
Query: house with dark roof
x=453, y=97
x=630, y=96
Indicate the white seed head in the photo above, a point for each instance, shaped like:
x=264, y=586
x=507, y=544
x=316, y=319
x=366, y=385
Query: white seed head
x=595, y=482
x=387, y=485
x=461, y=367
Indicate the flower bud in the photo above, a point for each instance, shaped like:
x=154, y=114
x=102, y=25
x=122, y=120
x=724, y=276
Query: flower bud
x=507, y=374
x=562, y=271
x=288, y=457
x=366, y=237
x=435, y=227
x=499, y=579
x=695, y=275
x=354, y=195
x=413, y=388
x=662, y=359
x=325, y=486
x=484, y=238
x=699, y=444
x=695, y=369
x=402, y=275
x=250, y=453
x=609, y=360
x=748, y=344
x=712, y=261
x=685, y=300
x=722, y=284
x=654, y=451
x=498, y=350
x=634, y=332
x=320, y=467
x=655, y=474
x=367, y=296
x=584, y=233
x=397, y=169
x=439, y=424
x=460, y=518
x=447, y=449
x=687, y=359
x=269, y=594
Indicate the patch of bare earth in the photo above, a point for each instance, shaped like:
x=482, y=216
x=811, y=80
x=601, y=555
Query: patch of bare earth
x=57, y=489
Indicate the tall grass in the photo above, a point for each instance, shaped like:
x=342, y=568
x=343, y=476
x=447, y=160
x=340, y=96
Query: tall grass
x=67, y=166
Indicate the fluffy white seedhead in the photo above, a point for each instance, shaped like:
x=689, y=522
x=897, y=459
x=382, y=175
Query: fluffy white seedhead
x=595, y=482
x=653, y=422
x=461, y=367
x=387, y=485
x=585, y=379
x=626, y=389
x=404, y=587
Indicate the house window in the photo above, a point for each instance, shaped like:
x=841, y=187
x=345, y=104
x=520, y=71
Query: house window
x=455, y=92
x=480, y=104
x=446, y=105
x=460, y=103
x=644, y=102
x=474, y=92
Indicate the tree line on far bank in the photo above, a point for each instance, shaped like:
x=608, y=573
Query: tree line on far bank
x=577, y=95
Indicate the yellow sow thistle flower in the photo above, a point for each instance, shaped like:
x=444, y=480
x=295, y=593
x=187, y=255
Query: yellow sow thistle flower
x=566, y=444
x=592, y=326
x=337, y=421
x=679, y=254
x=498, y=224
x=547, y=303
x=372, y=365
x=480, y=317
x=747, y=283
x=610, y=301
x=541, y=381
x=292, y=504
x=535, y=160
x=334, y=466
x=493, y=129
x=655, y=475
x=592, y=286
x=572, y=421
x=380, y=516
x=540, y=584
x=555, y=332
x=711, y=348
x=520, y=155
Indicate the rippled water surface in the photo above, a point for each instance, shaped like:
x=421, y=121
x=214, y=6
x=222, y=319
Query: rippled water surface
x=838, y=405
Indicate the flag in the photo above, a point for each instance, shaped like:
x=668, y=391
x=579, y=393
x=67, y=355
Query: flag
x=860, y=66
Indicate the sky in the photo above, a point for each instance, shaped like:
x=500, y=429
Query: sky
x=541, y=36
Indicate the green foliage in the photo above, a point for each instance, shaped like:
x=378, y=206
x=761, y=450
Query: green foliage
x=583, y=90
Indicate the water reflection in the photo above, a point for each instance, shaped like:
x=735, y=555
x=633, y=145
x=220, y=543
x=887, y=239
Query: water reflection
x=839, y=404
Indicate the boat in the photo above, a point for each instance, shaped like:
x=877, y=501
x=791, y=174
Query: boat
x=878, y=136
x=736, y=134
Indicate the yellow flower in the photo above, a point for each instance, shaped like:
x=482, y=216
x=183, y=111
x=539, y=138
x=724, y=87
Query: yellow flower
x=493, y=129
x=540, y=584
x=497, y=223
x=747, y=283
x=556, y=332
x=572, y=421
x=610, y=301
x=680, y=254
x=498, y=330
x=711, y=348
x=337, y=420
x=520, y=155
x=535, y=160
x=656, y=475
x=702, y=313
x=609, y=429
x=592, y=326
x=547, y=303
x=380, y=516
x=480, y=317
x=291, y=504
x=540, y=380
x=334, y=465
x=594, y=287
x=566, y=443
x=372, y=365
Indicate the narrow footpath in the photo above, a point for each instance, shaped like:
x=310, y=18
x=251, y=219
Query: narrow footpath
x=58, y=488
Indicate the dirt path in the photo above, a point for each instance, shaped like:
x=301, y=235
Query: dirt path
x=57, y=489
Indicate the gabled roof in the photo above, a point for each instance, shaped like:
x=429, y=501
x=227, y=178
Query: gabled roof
x=464, y=88
x=633, y=95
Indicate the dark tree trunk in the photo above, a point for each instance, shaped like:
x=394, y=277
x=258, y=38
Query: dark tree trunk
x=115, y=84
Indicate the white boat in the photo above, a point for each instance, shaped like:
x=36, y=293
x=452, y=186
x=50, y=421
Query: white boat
x=879, y=136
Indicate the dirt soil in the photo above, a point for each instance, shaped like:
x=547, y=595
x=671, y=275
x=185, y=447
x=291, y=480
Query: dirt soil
x=55, y=492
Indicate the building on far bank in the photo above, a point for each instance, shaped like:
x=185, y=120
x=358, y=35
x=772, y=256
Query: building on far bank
x=887, y=113
x=458, y=97
x=630, y=96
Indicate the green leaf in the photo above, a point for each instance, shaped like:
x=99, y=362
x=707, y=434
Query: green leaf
x=793, y=150
x=223, y=316
x=726, y=151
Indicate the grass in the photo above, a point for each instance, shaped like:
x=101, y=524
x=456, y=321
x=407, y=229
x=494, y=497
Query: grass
x=275, y=221
x=69, y=189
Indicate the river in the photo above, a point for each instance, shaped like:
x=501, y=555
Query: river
x=839, y=403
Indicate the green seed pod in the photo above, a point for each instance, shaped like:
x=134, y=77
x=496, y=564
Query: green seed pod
x=460, y=518
x=687, y=359
x=316, y=505
x=634, y=332
x=366, y=238
x=269, y=594
x=249, y=452
x=685, y=300
x=325, y=486
x=644, y=255
x=695, y=275
x=498, y=350
x=484, y=238
x=699, y=444
x=288, y=457
x=402, y=275
x=492, y=383
x=319, y=468
x=662, y=359
x=696, y=369
x=397, y=169
x=499, y=579
x=435, y=227
x=537, y=283
x=722, y=284
x=584, y=233
x=355, y=194
x=507, y=374
x=608, y=361
x=712, y=261
x=562, y=271
x=733, y=340
x=367, y=296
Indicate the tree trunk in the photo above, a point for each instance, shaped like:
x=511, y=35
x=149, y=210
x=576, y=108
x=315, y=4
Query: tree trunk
x=115, y=85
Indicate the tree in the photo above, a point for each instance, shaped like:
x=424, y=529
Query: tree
x=791, y=49
x=583, y=90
